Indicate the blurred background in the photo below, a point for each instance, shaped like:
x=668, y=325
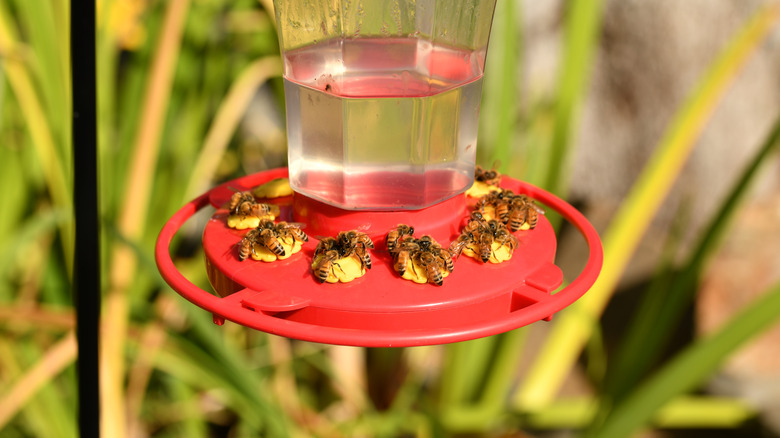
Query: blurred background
x=659, y=119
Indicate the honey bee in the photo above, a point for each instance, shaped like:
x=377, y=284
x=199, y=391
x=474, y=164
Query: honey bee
x=269, y=239
x=489, y=177
x=268, y=234
x=346, y=244
x=292, y=230
x=351, y=239
x=253, y=209
x=485, y=245
x=326, y=244
x=364, y=256
x=474, y=223
x=517, y=218
x=432, y=268
x=481, y=235
x=396, y=235
x=427, y=243
x=523, y=210
x=503, y=237
x=325, y=264
x=446, y=256
x=511, y=209
x=244, y=204
x=404, y=253
x=240, y=198
x=502, y=211
x=457, y=245
x=246, y=246
x=424, y=253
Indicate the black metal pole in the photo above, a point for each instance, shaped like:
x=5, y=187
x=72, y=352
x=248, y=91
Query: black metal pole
x=86, y=266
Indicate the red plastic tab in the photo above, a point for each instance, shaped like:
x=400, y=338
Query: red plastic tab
x=270, y=302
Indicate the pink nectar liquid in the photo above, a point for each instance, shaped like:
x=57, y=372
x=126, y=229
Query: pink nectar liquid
x=382, y=124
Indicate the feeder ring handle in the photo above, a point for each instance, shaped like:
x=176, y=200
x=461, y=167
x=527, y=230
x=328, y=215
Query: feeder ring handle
x=379, y=338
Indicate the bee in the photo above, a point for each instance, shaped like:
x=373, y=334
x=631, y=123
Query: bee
x=489, y=177
x=365, y=257
x=475, y=223
x=432, y=268
x=351, y=239
x=446, y=257
x=396, y=235
x=517, y=218
x=253, y=209
x=326, y=244
x=427, y=243
x=246, y=246
x=270, y=235
x=485, y=245
x=269, y=239
x=457, y=245
x=523, y=210
x=424, y=253
x=292, y=230
x=502, y=211
x=404, y=253
x=503, y=237
x=244, y=204
x=240, y=198
x=325, y=264
x=511, y=209
x=346, y=244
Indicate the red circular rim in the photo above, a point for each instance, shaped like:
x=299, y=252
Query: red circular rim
x=224, y=308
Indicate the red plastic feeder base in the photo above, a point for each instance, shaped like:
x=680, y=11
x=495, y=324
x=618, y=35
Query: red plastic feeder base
x=379, y=309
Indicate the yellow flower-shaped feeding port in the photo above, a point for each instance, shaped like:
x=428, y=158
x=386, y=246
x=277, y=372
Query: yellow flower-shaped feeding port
x=246, y=212
x=290, y=245
x=480, y=189
x=276, y=188
x=420, y=260
x=271, y=241
x=244, y=222
x=343, y=258
x=417, y=273
x=342, y=269
x=499, y=252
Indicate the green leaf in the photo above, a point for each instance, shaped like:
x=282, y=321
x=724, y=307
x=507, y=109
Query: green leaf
x=663, y=307
x=572, y=329
x=691, y=367
x=583, y=21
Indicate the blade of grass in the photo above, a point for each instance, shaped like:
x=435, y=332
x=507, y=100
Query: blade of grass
x=583, y=19
x=499, y=109
x=29, y=231
x=662, y=309
x=495, y=383
x=43, y=33
x=37, y=125
x=691, y=367
x=14, y=194
x=227, y=118
x=575, y=325
x=679, y=413
x=42, y=318
x=62, y=354
x=133, y=216
x=152, y=338
x=464, y=365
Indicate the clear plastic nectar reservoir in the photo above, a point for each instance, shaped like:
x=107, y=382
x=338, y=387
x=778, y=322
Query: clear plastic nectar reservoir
x=382, y=123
